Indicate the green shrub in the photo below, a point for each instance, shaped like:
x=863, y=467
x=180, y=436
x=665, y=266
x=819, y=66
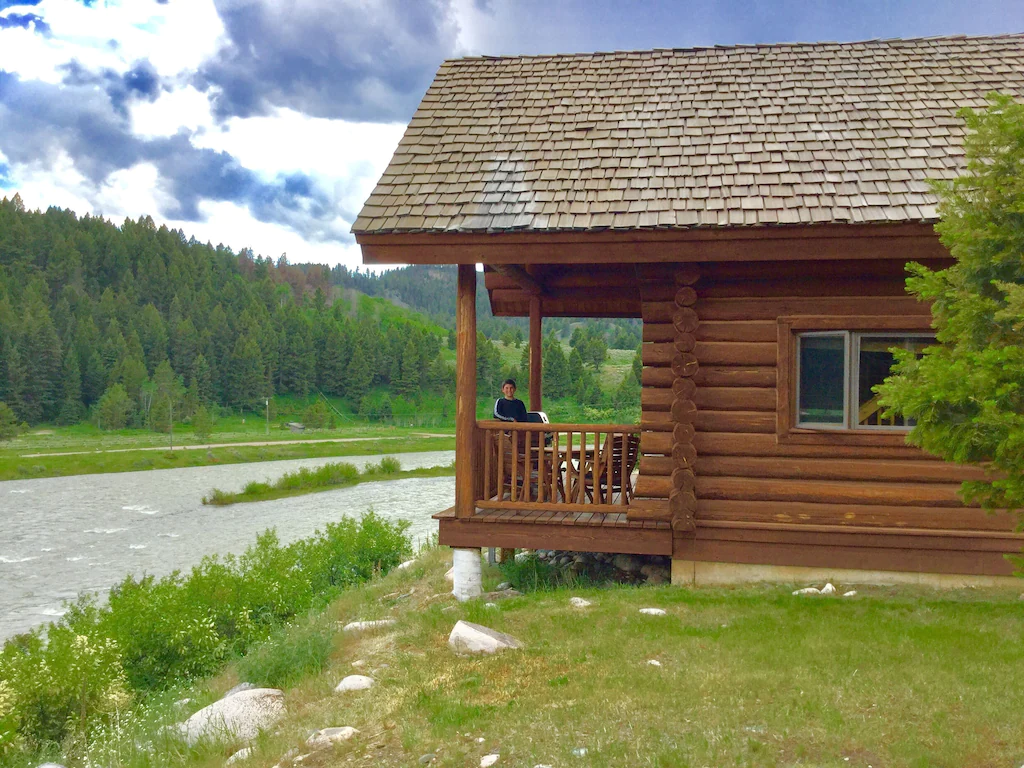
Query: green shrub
x=389, y=465
x=316, y=415
x=289, y=654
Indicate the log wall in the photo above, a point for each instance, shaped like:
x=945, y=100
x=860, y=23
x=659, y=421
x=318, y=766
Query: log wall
x=739, y=487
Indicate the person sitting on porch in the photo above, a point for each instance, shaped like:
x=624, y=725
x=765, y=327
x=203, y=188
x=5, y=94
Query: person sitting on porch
x=508, y=408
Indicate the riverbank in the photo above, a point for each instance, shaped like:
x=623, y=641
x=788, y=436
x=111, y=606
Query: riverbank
x=62, y=452
x=754, y=675
x=324, y=478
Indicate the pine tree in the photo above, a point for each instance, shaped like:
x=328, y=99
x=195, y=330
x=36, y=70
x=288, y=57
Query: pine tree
x=358, y=375
x=12, y=376
x=204, y=380
x=246, y=383
x=113, y=411
x=41, y=356
x=408, y=384
x=71, y=408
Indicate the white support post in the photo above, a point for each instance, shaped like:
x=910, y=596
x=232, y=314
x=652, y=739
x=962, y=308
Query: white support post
x=468, y=574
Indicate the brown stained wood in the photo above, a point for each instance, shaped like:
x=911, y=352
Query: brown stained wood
x=629, y=540
x=756, y=308
x=654, y=376
x=654, y=486
x=735, y=421
x=533, y=507
x=657, y=311
x=833, y=491
x=685, y=297
x=684, y=320
x=687, y=274
x=522, y=426
x=709, y=376
x=867, y=515
x=657, y=291
x=465, y=391
x=684, y=411
x=684, y=455
x=658, y=354
x=736, y=353
x=656, y=399
x=683, y=480
x=893, y=268
x=685, y=342
x=656, y=465
x=656, y=443
x=666, y=332
x=683, y=433
x=685, y=364
x=649, y=509
x=737, y=330
x=517, y=304
x=817, y=285
x=682, y=504
x=684, y=388
x=870, y=470
x=733, y=444
x=520, y=277
x=735, y=399
x=657, y=421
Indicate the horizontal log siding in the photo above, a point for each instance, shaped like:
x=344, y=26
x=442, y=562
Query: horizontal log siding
x=743, y=474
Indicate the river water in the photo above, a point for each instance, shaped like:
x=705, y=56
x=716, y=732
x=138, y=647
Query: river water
x=65, y=535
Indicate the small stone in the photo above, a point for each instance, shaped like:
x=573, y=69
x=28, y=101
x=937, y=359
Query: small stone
x=467, y=637
x=354, y=683
x=406, y=564
x=488, y=760
x=543, y=765
x=327, y=737
x=828, y=589
x=450, y=574
x=359, y=664
x=359, y=626
x=239, y=756
x=428, y=758
x=503, y=585
x=479, y=739
x=851, y=593
x=238, y=689
x=653, y=611
x=521, y=556
x=808, y=591
x=490, y=605
x=654, y=662
x=579, y=752
x=579, y=602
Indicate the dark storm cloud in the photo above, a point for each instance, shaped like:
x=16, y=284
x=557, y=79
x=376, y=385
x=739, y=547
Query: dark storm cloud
x=141, y=82
x=41, y=121
x=347, y=59
x=24, y=21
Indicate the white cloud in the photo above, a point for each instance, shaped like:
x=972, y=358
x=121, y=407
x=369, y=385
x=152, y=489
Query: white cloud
x=182, y=108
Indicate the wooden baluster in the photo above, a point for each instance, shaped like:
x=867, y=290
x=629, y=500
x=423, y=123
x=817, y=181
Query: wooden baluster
x=610, y=442
x=595, y=469
x=555, y=465
x=624, y=437
x=568, y=467
x=515, y=465
x=540, y=466
x=488, y=442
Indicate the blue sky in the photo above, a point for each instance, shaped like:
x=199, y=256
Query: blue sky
x=265, y=123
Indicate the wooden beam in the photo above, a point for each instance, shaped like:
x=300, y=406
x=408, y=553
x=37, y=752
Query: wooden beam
x=465, y=391
x=520, y=277
x=535, y=354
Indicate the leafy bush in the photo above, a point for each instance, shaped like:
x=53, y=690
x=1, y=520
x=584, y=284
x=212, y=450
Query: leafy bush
x=389, y=465
x=316, y=415
x=155, y=633
x=289, y=654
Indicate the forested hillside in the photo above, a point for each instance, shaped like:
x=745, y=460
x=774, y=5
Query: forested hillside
x=138, y=326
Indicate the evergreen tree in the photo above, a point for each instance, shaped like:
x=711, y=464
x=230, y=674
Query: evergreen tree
x=42, y=359
x=246, y=385
x=94, y=378
x=12, y=376
x=204, y=380
x=113, y=411
x=408, y=384
x=358, y=375
x=10, y=425
x=335, y=358
x=71, y=408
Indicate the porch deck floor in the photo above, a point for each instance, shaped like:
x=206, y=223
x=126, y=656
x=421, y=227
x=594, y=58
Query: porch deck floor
x=591, y=519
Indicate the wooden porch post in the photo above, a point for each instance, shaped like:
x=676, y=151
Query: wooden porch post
x=535, y=353
x=465, y=391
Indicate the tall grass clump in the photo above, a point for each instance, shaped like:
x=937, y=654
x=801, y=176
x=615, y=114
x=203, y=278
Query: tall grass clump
x=98, y=661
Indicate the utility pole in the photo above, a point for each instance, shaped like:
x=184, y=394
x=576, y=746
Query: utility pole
x=268, y=414
x=170, y=420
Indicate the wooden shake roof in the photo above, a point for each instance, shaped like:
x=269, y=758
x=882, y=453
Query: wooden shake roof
x=678, y=139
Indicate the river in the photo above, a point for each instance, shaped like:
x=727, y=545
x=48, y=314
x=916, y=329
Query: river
x=65, y=535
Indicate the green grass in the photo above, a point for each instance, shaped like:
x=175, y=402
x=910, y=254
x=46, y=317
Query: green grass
x=749, y=676
x=323, y=478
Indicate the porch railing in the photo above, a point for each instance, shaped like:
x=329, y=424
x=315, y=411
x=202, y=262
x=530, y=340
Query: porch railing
x=561, y=467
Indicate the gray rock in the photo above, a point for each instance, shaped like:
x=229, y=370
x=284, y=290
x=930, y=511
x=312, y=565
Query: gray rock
x=450, y=574
x=580, y=752
x=652, y=611
x=467, y=637
x=428, y=758
x=808, y=591
x=579, y=602
x=503, y=585
x=328, y=737
x=240, y=716
x=851, y=593
x=238, y=689
x=354, y=683
x=828, y=589
x=488, y=760
x=406, y=564
x=51, y=765
x=239, y=756
x=626, y=563
x=360, y=626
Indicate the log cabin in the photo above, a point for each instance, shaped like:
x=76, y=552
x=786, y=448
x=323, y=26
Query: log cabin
x=755, y=206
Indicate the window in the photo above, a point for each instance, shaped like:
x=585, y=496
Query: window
x=835, y=373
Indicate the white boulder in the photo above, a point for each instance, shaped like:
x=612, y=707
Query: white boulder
x=359, y=626
x=488, y=760
x=808, y=591
x=467, y=637
x=653, y=611
x=239, y=756
x=327, y=737
x=354, y=683
x=851, y=593
x=406, y=564
x=828, y=589
x=450, y=574
x=241, y=716
x=654, y=662
x=579, y=602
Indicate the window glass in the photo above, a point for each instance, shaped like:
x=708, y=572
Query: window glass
x=875, y=359
x=822, y=381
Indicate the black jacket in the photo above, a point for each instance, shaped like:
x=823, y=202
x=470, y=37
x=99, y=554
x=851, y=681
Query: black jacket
x=509, y=410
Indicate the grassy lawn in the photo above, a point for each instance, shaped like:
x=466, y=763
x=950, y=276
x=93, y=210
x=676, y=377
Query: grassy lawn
x=749, y=676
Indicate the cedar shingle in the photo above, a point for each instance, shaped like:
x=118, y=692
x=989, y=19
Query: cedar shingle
x=725, y=136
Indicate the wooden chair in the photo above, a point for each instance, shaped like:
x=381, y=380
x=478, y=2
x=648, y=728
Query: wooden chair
x=596, y=474
x=511, y=461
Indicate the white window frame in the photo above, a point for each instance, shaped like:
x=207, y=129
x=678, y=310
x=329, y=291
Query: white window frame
x=851, y=378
